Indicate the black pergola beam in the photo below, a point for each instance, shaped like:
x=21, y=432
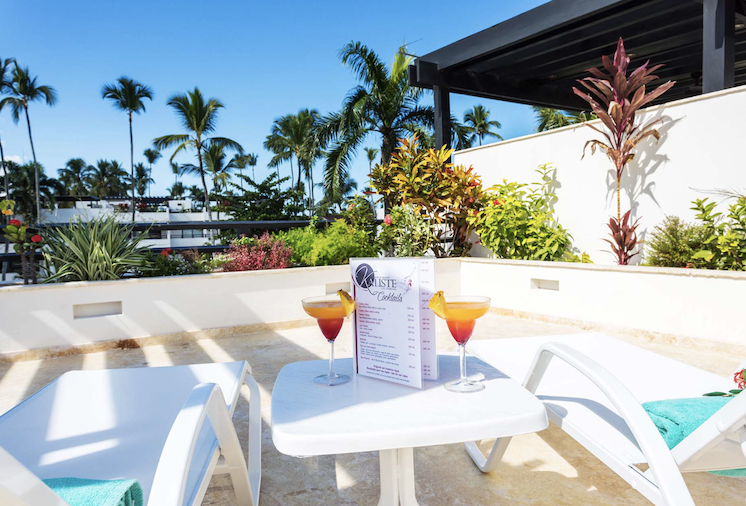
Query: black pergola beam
x=442, y=98
x=718, y=44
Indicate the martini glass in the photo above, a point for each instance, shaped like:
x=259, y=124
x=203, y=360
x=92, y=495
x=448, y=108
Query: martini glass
x=330, y=315
x=461, y=316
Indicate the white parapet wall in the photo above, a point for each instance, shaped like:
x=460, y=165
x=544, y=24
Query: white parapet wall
x=700, y=149
x=68, y=315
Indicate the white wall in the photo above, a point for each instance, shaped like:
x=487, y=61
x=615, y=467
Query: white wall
x=701, y=148
x=43, y=316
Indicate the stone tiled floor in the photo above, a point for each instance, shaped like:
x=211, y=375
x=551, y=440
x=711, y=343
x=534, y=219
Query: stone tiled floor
x=540, y=469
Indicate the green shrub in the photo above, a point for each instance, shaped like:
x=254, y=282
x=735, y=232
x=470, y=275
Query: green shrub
x=169, y=263
x=406, y=232
x=723, y=237
x=333, y=246
x=519, y=223
x=673, y=243
x=101, y=249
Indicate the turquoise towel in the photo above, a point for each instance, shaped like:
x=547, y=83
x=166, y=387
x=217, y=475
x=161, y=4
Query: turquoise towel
x=675, y=419
x=82, y=492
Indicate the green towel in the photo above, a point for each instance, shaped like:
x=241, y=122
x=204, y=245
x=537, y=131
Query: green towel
x=82, y=492
x=675, y=419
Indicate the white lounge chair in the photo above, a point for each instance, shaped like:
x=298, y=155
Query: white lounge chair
x=593, y=387
x=140, y=423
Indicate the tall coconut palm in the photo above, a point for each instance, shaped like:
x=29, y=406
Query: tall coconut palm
x=199, y=117
x=152, y=156
x=383, y=104
x=477, y=122
x=129, y=96
x=75, y=176
x=177, y=190
x=549, y=119
x=5, y=73
x=245, y=160
x=291, y=137
x=106, y=179
x=142, y=179
x=23, y=89
x=219, y=169
x=24, y=179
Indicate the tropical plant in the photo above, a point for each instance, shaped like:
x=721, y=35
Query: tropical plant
x=371, y=154
x=178, y=170
x=23, y=182
x=624, y=239
x=549, y=119
x=142, y=179
x=75, y=176
x=333, y=246
x=445, y=193
x=360, y=214
x=177, y=190
x=406, y=232
x=673, y=243
x=25, y=242
x=347, y=188
x=620, y=97
x=478, y=123
x=168, y=263
x=518, y=221
x=265, y=201
x=5, y=82
x=23, y=89
x=259, y=253
x=199, y=117
x=723, y=237
x=383, y=104
x=107, y=179
x=100, y=249
x=129, y=96
x=242, y=161
x=152, y=156
x=196, y=193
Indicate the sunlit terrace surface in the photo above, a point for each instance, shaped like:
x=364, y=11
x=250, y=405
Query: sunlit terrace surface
x=548, y=468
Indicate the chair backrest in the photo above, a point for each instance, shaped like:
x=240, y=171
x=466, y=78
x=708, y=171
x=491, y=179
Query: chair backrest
x=21, y=487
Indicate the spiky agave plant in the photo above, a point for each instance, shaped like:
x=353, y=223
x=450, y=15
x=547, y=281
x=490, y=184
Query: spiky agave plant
x=620, y=96
x=101, y=249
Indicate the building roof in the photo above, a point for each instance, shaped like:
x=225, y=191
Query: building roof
x=536, y=57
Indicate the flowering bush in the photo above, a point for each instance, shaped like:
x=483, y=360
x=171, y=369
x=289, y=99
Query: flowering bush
x=359, y=214
x=26, y=245
x=168, y=263
x=519, y=222
x=406, y=233
x=265, y=252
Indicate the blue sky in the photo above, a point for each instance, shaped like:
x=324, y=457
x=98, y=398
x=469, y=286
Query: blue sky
x=261, y=59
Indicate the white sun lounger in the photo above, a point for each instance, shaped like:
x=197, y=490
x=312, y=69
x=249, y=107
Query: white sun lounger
x=593, y=387
x=140, y=423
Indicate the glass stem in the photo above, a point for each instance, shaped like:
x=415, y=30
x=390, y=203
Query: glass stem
x=462, y=360
x=331, y=359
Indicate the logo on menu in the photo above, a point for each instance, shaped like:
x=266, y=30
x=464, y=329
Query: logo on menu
x=384, y=288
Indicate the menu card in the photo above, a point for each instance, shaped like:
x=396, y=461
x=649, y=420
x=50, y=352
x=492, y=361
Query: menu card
x=394, y=328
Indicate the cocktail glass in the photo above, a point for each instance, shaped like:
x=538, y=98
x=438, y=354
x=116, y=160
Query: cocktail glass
x=330, y=314
x=461, y=313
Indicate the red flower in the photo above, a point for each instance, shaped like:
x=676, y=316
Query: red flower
x=166, y=252
x=739, y=379
x=15, y=223
x=36, y=238
x=497, y=202
x=387, y=219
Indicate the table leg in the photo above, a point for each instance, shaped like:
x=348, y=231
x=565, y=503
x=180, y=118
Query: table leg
x=397, y=478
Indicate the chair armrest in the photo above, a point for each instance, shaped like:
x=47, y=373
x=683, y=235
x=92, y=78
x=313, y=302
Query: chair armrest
x=662, y=464
x=21, y=487
x=205, y=401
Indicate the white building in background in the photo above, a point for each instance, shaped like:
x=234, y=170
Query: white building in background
x=160, y=210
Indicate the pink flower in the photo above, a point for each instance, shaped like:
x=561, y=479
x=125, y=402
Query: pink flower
x=166, y=252
x=15, y=223
x=387, y=219
x=36, y=238
x=739, y=379
x=351, y=207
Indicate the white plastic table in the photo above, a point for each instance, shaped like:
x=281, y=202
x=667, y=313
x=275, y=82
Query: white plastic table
x=368, y=414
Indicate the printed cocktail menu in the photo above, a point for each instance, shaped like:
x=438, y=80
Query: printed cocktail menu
x=394, y=328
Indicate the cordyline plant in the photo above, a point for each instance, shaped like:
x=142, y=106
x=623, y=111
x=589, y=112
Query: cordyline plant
x=615, y=98
x=623, y=238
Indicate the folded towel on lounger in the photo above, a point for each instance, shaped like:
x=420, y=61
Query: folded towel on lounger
x=82, y=492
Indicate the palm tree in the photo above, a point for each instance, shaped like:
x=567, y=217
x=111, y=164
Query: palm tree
x=129, y=96
x=196, y=193
x=383, y=104
x=23, y=89
x=549, y=119
x=477, y=121
x=152, y=156
x=75, y=176
x=24, y=179
x=177, y=190
x=199, y=118
x=219, y=169
x=347, y=188
x=4, y=83
x=106, y=179
x=371, y=154
x=293, y=136
x=177, y=170
x=142, y=179
x=245, y=160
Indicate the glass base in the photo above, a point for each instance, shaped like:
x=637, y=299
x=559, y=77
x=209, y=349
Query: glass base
x=464, y=387
x=331, y=381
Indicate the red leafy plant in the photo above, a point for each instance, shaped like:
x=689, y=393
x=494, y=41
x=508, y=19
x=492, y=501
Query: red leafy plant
x=615, y=98
x=265, y=252
x=623, y=238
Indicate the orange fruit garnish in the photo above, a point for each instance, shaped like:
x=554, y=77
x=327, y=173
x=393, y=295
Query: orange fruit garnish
x=348, y=303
